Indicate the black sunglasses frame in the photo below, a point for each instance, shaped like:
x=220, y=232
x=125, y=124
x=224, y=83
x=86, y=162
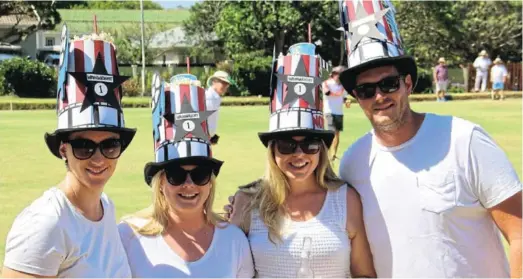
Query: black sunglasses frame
x=94, y=146
x=363, y=91
x=172, y=173
x=303, y=144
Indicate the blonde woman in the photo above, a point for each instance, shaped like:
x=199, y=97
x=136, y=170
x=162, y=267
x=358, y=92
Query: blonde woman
x=179, y=235
x=300, y=219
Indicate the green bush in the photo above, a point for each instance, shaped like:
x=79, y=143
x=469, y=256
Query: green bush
x=132, y=87
x=27, y=78
x=252, y=72
x=424, y=84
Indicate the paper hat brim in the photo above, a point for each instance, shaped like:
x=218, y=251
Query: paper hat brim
x=53, y=140
x=228, y=80
x=326, y=135
x=404, y=64
x=152, y=168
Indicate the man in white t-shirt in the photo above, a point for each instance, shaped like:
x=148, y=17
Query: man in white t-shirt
x=437, y=191
x=334, y=97
x=217, y=84
x=498, y=77
x=482, y=65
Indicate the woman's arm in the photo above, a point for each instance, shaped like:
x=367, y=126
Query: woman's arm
x=238, y=216
x=361, y=257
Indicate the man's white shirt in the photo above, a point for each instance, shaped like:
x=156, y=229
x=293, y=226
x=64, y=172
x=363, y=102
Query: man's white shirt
x=425, y=202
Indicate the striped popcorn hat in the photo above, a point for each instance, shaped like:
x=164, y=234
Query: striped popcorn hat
x=180, y=129
x=296, y=102
x=89, y=91
x=372, y=40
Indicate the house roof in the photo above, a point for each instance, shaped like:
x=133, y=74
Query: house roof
x=81, y=21
x=150, y=16
x=22, y=20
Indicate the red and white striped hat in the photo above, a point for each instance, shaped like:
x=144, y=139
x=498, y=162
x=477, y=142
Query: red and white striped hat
x=89, y=91
x=180, y=129
x=296, y=102
x=372, y=39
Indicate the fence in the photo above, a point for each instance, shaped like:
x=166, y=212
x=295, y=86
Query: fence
x=513, y=81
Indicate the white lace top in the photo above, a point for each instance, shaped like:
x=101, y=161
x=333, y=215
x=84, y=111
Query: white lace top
x=330, y=246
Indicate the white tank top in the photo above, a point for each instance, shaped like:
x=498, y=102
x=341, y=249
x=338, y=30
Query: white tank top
x=330, y=246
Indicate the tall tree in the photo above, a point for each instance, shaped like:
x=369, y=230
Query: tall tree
x=42, y=13
x=199, y=28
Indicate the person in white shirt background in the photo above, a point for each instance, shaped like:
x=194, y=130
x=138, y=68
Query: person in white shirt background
x=436, y=190
x=482, y=65
x=179, y=235
x=498, y=77
x=217, y=86
x=70, y=231
x=334, y=98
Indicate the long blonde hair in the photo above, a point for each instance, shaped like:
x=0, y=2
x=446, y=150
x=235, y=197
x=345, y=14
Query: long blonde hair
x=157, y=214
x=271, y=196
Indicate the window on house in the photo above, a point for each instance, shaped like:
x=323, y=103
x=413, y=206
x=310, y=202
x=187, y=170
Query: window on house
x=49, y=41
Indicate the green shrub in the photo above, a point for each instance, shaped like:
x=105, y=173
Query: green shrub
x=132, y=87
x=27, y=78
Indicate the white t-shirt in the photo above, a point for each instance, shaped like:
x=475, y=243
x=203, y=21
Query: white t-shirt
x=213, y=101
x=482, y=64
x=425, y=202
x=51, y=238
x=498, y=72
x=150, y=256
x=333, y=104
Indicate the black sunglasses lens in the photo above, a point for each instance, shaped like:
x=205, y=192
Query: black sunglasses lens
x=390, y=84
x=111, y=148
x=175, y=175
x=286, y=146
x=83, y=148
x=365, y=91
x=310, y=146
x=201, y=175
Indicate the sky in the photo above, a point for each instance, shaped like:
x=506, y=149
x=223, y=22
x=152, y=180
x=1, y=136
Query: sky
x=170, y=4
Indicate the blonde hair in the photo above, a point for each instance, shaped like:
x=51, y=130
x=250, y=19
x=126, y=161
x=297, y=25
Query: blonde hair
x=271, y=196
x=157, y=214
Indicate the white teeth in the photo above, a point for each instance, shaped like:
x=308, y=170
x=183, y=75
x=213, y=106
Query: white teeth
x=298, y=165
x=188, y=195
x=96, y=171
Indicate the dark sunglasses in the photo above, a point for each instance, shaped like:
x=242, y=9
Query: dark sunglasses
x=308, y=146
x=177, y=175
x=387, y=85
x=84, y=149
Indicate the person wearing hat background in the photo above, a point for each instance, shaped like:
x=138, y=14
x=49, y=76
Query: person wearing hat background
x=70, y=231
x=179, y=235
x=441, y=79
x=482, y=65
x=217, y=85
x=436, y=190
x=300, y=218
x=498, y=77
x=334, y=97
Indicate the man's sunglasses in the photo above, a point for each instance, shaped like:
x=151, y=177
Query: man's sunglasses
x=308, y=146
x=84, y=149
x=387, y=85
x=177, y=175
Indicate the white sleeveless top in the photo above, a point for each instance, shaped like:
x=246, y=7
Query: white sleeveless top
x=330, y=247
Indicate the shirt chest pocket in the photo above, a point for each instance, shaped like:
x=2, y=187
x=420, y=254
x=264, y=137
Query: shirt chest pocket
x=437, y=191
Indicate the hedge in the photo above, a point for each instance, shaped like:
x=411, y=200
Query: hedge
x=8, y=103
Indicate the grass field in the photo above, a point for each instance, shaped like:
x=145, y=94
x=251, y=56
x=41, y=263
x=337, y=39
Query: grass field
x=27, y=168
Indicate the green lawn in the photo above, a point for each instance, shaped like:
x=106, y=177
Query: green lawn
x=28, y=168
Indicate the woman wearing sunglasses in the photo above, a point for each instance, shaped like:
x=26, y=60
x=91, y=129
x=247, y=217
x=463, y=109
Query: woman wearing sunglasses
x=301, y=220
x=70, y=231
x=179, y=235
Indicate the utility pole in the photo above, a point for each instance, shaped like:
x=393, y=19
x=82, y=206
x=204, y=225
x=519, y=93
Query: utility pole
x=143, y=49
